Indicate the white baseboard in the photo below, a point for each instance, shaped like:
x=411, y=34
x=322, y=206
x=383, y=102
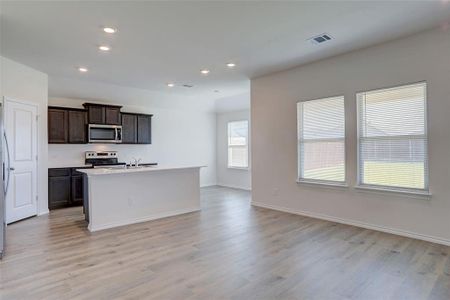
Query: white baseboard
x=234, y=187
x=93, y=228
x=395, y=231
x=207, y=185
x=45, y=212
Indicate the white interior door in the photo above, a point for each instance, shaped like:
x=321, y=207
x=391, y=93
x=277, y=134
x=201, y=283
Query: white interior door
x=21, y=135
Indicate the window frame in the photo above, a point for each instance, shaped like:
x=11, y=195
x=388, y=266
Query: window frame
x=300, y=158
x=246, y=145
x=386, y=188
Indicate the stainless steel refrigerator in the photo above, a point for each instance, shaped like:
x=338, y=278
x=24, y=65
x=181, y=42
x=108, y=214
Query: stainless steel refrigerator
x=5, y=173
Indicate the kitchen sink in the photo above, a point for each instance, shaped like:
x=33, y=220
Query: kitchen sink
x=142, y=167
x=121, y=167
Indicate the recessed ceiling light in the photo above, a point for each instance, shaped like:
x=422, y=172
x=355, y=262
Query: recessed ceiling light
x=204, y=71
x=104, y=48
x=109, y=30
x=231, y=65
x=170, y=84
x=82, y=69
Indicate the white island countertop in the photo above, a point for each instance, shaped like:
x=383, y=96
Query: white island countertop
x=121, y=196
x=116, y=170
x=72, y=165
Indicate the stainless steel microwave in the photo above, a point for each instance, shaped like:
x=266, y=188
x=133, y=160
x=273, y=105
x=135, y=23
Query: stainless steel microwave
x=104, y=133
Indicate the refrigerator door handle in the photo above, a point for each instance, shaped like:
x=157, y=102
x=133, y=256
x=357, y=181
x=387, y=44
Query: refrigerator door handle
x=9, y=164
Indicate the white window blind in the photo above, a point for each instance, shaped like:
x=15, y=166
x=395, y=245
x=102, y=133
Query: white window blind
x=393, y=138
x=238, y=144
x=321, y=140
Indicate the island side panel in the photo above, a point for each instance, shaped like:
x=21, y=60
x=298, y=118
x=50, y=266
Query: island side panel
x=121, y=199
x=86, y=197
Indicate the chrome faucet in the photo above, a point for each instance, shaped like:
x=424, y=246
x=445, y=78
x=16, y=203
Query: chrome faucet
x=136, y=162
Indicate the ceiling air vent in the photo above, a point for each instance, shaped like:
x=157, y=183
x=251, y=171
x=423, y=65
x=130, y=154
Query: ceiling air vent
x=187, y=85
x=319, y=39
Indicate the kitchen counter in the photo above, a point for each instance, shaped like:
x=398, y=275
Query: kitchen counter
x=121, y=196
x=69, y=165
x=117, y=170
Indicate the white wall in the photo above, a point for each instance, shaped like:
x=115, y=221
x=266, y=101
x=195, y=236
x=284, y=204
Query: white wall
x=23, y=83
x=234, y=103
x=236, y=178
x=420, y=57
x=178, y=137
x=83, y=87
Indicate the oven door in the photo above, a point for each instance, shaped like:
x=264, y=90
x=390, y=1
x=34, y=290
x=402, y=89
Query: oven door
x=105, y=133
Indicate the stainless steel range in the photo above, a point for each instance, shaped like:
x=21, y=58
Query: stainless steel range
x=103, y=158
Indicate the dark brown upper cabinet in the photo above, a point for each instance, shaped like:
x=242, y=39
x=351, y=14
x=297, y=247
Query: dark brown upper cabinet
x=129, y=128
x=77, y=126
x=96, y=114
x=112, y=116
x=66, y=125
x=69, y=125
x=103, y=114
x=57, y=126
x=144, y=129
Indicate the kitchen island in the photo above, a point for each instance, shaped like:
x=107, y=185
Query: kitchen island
x=116, y=197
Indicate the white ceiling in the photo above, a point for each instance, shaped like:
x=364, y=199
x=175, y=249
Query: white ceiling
x=160, y=42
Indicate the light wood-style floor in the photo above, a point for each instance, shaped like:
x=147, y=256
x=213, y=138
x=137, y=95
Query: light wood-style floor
x=229, y=250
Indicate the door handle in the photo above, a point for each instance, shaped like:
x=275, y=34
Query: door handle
x=12, y=169
x=9, y=163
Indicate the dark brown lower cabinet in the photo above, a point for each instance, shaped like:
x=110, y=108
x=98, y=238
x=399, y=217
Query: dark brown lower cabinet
x=65, y=188
x=58, y=192
x=77, y=190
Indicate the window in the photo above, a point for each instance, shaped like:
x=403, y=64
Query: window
x=321, y=140
x=238, y=144
x=393, y=138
